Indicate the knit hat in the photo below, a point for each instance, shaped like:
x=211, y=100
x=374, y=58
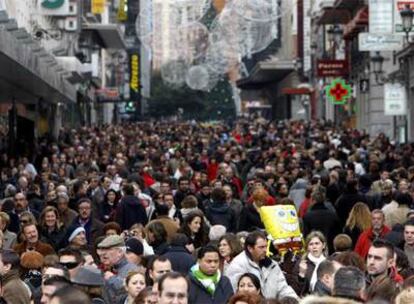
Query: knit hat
x=75, y=233
x=135, y=246
x=88, y=276
x=31, y=260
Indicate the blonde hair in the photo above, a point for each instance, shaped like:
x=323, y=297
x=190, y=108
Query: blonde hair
x=5, y=217
x=359, y=217
x=405, y=297
x=42, y=217
x=1, y=239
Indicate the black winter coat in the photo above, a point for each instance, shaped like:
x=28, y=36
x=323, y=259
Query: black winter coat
x=56, y=238
x=320, y=217
x=198, y=294
x=130, y=211
x=181, y=259
x=107, y=212
x=345, y=203
x=250, y=219
x=219, y=213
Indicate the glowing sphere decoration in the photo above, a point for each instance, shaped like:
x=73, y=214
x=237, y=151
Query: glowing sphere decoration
x=194, y=51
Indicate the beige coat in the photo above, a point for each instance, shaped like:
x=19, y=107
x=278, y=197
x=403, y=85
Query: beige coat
x=395, y=214
x=15, y=290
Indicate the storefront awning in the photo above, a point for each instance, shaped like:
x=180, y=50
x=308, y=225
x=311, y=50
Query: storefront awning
x=347, y=4
x=297, y=91
x=265, y=73
x=28, y=71
x=327, y=13
x=357, y=24
x=110, y=34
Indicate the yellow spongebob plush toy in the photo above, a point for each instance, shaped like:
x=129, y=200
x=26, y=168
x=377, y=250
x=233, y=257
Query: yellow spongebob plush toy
x=282, y=225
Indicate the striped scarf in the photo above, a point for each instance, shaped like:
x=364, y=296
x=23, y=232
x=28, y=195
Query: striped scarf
x=209, y=282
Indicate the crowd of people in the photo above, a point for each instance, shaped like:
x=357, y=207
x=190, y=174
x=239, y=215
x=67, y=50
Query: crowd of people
x=158, y=212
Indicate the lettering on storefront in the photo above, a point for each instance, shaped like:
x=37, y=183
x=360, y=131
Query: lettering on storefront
x=335, y=68
x=134, y=73
x=134, y=82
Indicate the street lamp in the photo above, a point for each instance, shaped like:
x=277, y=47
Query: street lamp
x=330, y=34
x=338, y=34
x=377, y=62
x=334, y=35
x=407, y=15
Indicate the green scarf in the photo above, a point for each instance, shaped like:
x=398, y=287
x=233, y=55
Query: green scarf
x=209, y=282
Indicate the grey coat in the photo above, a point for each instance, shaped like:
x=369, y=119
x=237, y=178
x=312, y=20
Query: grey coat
x=115, y=285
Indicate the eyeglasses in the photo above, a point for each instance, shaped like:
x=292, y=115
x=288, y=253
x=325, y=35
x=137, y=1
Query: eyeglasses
x=69, y=265
x=48, y=276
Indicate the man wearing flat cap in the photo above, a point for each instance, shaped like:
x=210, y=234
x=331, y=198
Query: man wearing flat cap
x=112, y=254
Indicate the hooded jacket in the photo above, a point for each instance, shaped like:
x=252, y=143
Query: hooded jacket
x=220, y=213
x=130, y=211
x=297, y=192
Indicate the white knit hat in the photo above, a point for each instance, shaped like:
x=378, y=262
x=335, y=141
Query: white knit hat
x=76, y=232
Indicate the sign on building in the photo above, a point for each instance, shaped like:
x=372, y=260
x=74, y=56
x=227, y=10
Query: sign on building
x=54, y=8
x=108, y=95
x=381, y=16
x=332, y=68
x=121, y=14
x=379, y=42
x=134, y=76
x=53, y=4
x=338, y=91
x=395, y=99
x=98, y=7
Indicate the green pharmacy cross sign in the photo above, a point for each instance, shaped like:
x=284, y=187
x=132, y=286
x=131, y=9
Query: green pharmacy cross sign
x=52, y=4
x=338, y=91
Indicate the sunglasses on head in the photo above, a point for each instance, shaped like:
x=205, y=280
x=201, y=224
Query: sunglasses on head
x=69, y=265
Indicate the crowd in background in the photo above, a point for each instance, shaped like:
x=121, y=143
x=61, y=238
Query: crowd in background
x=169, y=213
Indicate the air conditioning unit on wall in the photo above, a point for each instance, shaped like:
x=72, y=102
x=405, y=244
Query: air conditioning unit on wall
x=71, y=24
x=73, y=8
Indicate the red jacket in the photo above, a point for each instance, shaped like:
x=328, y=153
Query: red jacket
x=365, y=240
x=304, y=207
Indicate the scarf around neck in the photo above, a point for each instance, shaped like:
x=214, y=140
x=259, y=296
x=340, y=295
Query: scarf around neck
x=316, y=261
x=209, y=282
